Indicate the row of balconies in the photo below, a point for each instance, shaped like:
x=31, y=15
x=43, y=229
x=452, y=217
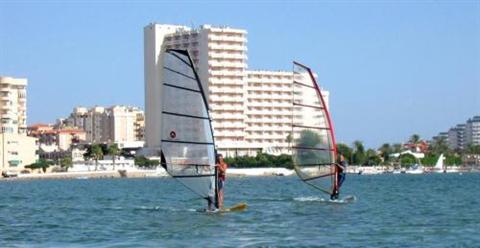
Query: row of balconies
x=227, y=116
x=268, y=120
x=216, y=98
x=220, y=107
x=284, y=104
x=229, y=133
x=229, y=124
x=262, y=80
x=270, y=96
x=285, y=128
x=227, y=81
x=220, y=90
x=226, y=64
x=266, y=136
x=223, y=55
x=227, y=38
x=227, y=47
x=239, y=73
x=269, y=112
x=258, y=90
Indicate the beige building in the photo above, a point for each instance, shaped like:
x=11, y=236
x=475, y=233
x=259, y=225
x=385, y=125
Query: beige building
x=250, y=110
x=16, y=148
x=17, y=151
x=122, y=125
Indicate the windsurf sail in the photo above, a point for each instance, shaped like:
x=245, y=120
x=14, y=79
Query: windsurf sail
x=188, y=148
x=313, y=145
x=439, y=164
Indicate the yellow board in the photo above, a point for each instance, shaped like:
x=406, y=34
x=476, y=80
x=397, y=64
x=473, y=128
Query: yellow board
x=239, y=207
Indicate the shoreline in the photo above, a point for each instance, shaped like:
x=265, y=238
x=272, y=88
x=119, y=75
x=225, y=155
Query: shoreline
x=160, y=172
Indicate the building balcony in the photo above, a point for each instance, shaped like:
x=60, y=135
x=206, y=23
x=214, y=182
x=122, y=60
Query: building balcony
x=226, y=81
x=214, y=55
x=216, y=98
x=225, y=64
x=226, y=73
x=227, y=38
x=269, y=104
x=270, y=96
x=227, y=116
x=227, y=47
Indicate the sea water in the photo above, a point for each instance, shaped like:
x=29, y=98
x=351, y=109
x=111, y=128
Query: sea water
x=436, y=210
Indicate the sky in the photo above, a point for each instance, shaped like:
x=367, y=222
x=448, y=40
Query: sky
x=393, y=68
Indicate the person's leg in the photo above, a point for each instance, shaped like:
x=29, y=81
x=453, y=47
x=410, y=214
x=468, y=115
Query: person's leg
x=221, y=184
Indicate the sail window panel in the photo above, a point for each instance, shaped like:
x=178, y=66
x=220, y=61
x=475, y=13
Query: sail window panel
x=179, y=62
x=185, y=158
x=312, y=138
x=203, y=186
x=307, y=97
x=184, y=128
x=179, y=79
x=183, y=102
x=308, y=117
x=312, y=157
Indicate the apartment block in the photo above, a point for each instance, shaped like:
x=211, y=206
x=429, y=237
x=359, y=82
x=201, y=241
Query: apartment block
x=472, y=131
x=123, y=125
x=250, y=110
x=13, y=95
x=456, y=137
x=16, y=149
x=52, y=138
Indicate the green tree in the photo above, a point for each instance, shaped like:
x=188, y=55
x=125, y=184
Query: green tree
x=440, y=146
x=346, y=151
x=385, y=151
x=66, y=163
x=372, y=157
x=359, y=157
x=407, y=160
x=114, y=151
x=40, y=164
x=97, y=153
x=397, y=148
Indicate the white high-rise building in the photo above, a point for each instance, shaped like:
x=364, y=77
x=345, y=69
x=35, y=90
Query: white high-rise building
x=250, y=110
x=16, y=149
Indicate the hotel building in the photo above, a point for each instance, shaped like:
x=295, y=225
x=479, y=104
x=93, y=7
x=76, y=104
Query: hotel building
x=17, y=149
x=251, y=111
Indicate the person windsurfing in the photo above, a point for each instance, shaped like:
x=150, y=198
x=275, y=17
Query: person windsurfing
x=222, y=171
x=340, y=172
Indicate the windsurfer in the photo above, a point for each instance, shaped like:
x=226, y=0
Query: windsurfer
x=222, y=171
x=340, y=172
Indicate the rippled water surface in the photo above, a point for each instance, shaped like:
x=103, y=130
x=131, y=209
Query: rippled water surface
x=437, y=210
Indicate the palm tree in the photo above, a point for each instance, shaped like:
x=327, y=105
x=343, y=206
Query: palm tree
x=114, y=151
x=359, y=154
x=397, y=148
x=385, y=150
x=97, y=154
x=414, y=139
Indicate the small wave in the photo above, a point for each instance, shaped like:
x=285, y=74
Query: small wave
x=309, y=198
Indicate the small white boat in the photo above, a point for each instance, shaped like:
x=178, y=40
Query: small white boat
x=415, y=169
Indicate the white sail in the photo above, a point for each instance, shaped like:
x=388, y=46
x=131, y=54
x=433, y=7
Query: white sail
x=313, y=141
x=439, y=164
x=188, y=149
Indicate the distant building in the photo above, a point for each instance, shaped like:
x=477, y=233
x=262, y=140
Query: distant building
x=251, y=111
x=472, y=131
x=16, y=149
x=56, y=139
x=122, y=125
x=456, y=137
